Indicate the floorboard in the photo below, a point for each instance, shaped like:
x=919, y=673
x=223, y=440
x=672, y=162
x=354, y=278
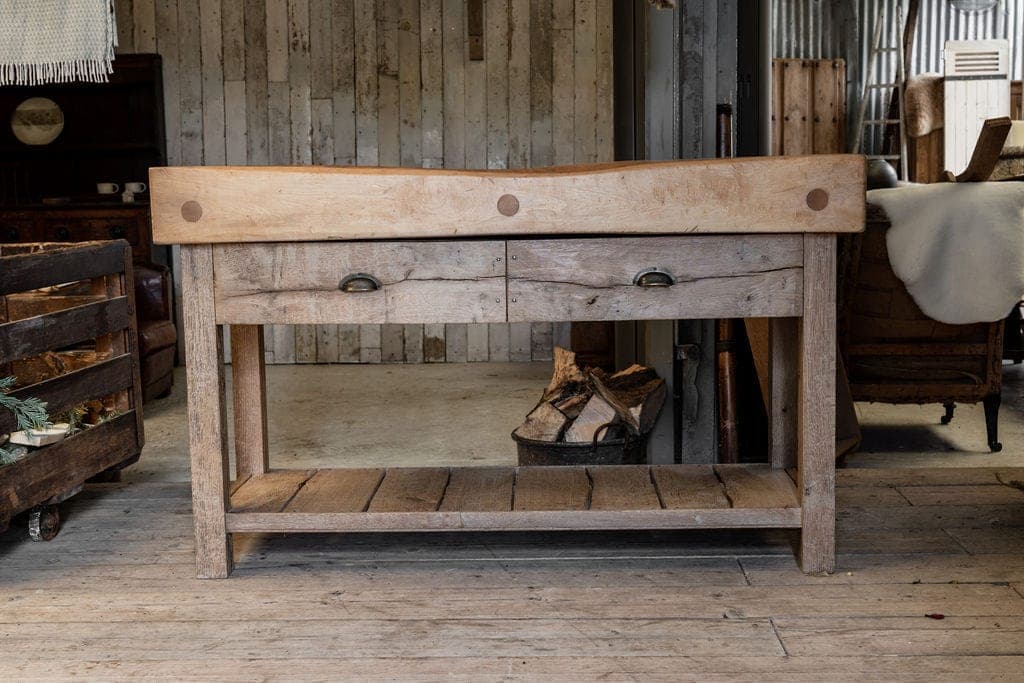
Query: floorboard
x=114, y=596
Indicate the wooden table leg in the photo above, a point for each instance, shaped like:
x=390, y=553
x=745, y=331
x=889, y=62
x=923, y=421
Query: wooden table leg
x=783, y=374
x=207, y=418
x=249, y=392
x=816, y=450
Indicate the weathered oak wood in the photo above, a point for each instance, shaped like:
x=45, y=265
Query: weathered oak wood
x=347, y=490
x=557, y=488
x=816, y=450
x=268, y=492
x=750, y=195
x=249, y=393
x=410, y=490
x=783, y=378
x=419, y=282
x=206, y=413
x=689, y=487
x=623, y=488
x=595, y=279
x=479, y=489
x=520, y=520
x=753, y=486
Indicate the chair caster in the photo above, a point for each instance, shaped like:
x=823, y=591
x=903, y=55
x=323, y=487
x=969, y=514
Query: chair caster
x=995, y=447
x=44, y=522
x=948, y=416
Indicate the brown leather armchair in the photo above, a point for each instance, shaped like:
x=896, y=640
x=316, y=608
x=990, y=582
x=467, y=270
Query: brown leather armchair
x=158, y=337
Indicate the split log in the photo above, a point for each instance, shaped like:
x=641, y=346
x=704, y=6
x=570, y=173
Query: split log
x=636, y=406
x=572, y=406
x=544, y=423
x=565, y=375
x=595, y=415
x=629, y=379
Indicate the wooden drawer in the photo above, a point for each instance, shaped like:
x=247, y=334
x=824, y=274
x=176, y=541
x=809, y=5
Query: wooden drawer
x=16, y=229
x=418, y=282
x=596, y=279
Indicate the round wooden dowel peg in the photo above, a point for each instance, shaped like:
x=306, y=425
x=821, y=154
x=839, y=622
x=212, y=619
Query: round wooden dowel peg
x=191, y=211
x=508, y=205
x=817, y=199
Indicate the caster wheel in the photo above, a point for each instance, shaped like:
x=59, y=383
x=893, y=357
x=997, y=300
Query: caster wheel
x=995, y=447
x=948, y=416
x=44, y=523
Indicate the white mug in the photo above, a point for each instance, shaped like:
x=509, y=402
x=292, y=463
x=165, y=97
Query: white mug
x=135, y=188
x=107, y=188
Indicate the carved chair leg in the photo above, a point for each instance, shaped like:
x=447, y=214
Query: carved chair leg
x=948, y=417
x=992, y=421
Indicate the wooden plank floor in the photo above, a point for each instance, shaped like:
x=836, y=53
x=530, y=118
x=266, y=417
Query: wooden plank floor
x=114, y=595
x=514, y=498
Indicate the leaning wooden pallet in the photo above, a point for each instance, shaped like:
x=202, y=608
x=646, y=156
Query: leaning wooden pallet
x=731, y=238
x=52, y=297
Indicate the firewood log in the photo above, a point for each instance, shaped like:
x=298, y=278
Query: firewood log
x=637, y=406
x=595, y=415
x=564, y=374
x=572, y=405
x=544, y=423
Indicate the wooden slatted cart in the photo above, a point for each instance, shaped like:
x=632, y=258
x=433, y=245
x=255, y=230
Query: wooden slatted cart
x=100, y=314
x=726, y=238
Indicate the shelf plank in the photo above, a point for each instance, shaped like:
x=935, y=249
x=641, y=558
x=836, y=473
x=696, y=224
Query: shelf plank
x=343, y=490
x=509, y=499
x=689, y=487
x=268, y=492
x=479, y=489
x=552, y=488
x=623, y=488
x=410, y=489
x=516, y=520
x=757, y=486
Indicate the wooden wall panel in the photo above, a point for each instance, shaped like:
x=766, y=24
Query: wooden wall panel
x=808, y=106
x=383, y=82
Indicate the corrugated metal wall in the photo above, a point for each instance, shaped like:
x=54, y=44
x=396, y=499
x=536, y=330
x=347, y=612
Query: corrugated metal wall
x=819, y=29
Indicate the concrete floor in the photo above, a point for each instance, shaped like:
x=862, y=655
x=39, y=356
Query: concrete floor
x=421, y=415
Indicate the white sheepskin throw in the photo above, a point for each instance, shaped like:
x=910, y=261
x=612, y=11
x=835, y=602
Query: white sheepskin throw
x=958, y=247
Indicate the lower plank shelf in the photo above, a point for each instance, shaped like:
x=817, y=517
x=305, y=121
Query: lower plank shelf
x=515, y=498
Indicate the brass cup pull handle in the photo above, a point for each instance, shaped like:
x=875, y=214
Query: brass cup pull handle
x=653, y=277
x=359, y=282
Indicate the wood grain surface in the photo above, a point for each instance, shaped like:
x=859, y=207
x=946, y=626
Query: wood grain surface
x=269, y=204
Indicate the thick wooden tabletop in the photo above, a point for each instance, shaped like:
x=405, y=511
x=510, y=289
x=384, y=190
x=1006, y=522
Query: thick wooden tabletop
x=209, y=204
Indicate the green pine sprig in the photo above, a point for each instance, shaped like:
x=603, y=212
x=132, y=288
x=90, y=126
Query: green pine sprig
x=30, y=413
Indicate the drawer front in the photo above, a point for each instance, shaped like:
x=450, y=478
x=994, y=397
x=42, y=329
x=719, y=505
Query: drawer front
x=14, y=230
x=655, y=278
x=409, y=282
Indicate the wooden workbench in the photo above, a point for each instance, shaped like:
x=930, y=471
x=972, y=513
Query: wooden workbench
x=716, y=239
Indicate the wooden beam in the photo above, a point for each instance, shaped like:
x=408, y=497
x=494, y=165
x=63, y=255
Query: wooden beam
x=202, y=205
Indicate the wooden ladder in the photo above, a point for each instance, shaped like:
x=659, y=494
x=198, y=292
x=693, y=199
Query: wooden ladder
x=897, y=85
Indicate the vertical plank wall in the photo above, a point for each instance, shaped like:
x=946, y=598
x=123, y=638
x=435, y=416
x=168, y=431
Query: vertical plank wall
x=383, y=83
x=808, y=106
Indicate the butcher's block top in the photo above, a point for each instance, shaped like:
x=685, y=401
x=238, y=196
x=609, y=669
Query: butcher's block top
x=211, y=204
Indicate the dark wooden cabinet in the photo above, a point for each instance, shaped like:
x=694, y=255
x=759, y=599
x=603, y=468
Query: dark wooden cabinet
x=81, y=223
x=108, y=133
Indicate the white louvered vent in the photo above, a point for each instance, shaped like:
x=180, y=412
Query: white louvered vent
x=977, y=88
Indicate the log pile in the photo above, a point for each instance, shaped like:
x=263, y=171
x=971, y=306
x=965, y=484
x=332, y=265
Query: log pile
x=588, y=405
